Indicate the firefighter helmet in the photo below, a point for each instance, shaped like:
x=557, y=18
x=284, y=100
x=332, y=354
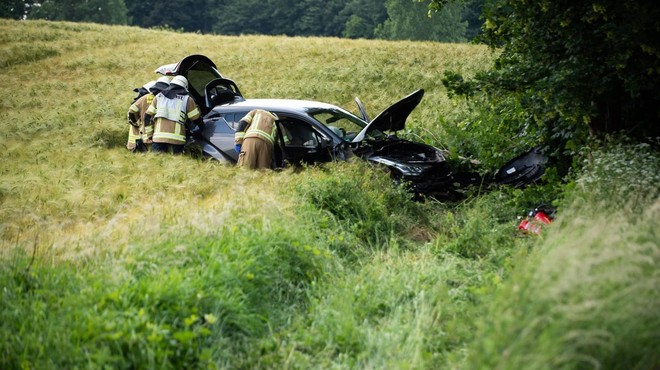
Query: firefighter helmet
x=164, y=79
x=148, y=85
x=181, y=81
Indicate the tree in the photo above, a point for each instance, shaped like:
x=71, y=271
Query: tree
x=318, y=18
x=186, y=15
x=138, y=11
x=361, y=17
x=97, y=11
x=568, y=69
x=408, y=20
x=13, y=9
x=265, y=17
x=472, y=15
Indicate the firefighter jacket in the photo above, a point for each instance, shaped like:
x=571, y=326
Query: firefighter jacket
x=171, y=115
x=136, y=114
x=257, y=123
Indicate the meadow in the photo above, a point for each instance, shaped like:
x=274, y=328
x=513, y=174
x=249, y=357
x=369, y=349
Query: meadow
x=112, y=259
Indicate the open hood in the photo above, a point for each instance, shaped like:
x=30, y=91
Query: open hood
x=394, y=117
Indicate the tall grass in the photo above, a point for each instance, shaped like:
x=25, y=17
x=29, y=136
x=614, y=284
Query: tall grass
x=170, y=305
x=111, y=259
x=588, y=296
x=58, y=123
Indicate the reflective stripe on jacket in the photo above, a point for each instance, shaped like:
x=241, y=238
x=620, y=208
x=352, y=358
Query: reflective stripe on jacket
x=137, y=129
x=261, y=124
x=238, y=137
x=171, y=116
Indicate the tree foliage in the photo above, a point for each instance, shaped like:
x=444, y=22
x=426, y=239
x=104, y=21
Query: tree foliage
x=96, y=11
x=392, y=19
x=362, y=18
x=569, y=68
x=409, y=21
x=13, y=9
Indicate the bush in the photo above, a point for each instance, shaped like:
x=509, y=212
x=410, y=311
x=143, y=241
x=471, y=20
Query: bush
x=619, y=170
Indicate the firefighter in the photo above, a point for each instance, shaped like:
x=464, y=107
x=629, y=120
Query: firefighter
x=255, y=139
x=134, y=125
x=172, y=113
x=139, y=135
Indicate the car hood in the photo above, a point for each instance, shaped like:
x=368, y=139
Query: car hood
x=394, y=117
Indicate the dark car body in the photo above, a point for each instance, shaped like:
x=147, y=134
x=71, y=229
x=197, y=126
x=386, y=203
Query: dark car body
x=315, y=132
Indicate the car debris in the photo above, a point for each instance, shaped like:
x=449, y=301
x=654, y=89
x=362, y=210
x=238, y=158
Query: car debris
x=536, y=218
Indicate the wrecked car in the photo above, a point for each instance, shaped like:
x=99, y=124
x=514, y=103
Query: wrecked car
x=317, y=132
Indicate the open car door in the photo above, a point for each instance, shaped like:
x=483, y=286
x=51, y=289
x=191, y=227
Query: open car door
x=221, y=91
x=299, y=143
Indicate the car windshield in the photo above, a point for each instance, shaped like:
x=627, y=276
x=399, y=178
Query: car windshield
x=345, y=125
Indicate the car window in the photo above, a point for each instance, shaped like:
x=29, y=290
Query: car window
x=296, y=132
x=198, y=76
x=221, y=121
x=233, y=118
x=343, y=125
x=229, y=117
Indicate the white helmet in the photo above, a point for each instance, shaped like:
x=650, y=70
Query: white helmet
x=148, y=85
x=181, y=81
x=165, y=79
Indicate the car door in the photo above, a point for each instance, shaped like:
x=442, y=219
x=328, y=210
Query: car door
x=299, y=142
x=216, y=138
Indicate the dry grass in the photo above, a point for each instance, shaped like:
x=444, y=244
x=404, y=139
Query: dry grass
x=68, y=183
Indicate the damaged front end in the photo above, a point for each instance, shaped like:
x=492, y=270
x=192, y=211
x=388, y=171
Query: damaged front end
x=422, y=167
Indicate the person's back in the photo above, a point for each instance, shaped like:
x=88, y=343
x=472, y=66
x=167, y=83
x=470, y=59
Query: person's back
x=136, y=119
x=138, y=132
x=170, y=111
x=257, y=143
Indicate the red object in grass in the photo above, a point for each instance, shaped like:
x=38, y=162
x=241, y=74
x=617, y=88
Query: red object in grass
x=534, y=223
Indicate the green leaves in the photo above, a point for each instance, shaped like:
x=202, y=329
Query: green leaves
x=564, y=64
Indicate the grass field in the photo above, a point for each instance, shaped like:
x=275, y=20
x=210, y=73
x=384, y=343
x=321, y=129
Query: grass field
x=117, y=260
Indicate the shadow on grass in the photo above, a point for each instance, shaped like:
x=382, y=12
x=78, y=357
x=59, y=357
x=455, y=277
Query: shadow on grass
x=110, y=138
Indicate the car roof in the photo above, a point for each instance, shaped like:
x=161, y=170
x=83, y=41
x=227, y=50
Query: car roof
x=279, y=105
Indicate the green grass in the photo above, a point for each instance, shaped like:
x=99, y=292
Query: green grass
x=117, y=260
x=588, y=296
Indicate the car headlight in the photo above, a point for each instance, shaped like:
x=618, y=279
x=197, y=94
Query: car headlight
x=405, y=169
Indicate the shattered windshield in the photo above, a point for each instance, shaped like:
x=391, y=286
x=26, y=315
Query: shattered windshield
x=346, y=126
